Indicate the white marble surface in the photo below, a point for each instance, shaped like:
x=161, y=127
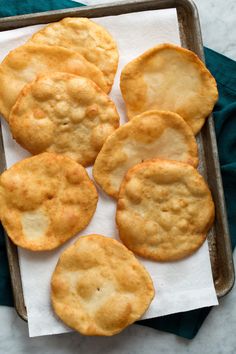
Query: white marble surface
x=217, y=335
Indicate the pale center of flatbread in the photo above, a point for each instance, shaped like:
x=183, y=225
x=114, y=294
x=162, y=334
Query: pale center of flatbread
x=34, y=224
x=170, y=145
x=92, y=292
x=169, y=90
x=99, y=297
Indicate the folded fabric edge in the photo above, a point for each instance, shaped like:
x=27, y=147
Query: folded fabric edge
x=13, y=8
x=214, y=63
x=183, y=324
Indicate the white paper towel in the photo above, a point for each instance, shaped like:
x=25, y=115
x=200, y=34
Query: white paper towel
x=180, y=286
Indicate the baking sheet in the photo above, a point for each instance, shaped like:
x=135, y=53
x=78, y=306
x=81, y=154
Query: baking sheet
x=185, y=40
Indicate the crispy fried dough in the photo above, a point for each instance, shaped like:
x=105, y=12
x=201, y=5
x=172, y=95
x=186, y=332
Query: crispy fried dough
x=65, y=114
x=45, y=200
x=87, y=38
x=153, y=134
x=23, y=64
x=170, y=78
x=99, y=287
x=164, y=210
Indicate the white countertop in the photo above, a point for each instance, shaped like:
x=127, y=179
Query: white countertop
x=217, y=335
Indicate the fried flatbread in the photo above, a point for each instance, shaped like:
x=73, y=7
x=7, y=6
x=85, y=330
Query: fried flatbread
x=169, y=78
x=152, y=134
x=23, y=64
x=164, y=210
x=65, y=114
x=99, y=287
x=45, y=200
x=85, y=37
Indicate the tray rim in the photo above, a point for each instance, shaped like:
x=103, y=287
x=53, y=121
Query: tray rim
x=118, y=6
x=14, y=22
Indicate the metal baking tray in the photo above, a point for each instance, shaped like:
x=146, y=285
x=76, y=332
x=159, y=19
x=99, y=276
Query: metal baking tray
x=190, y=34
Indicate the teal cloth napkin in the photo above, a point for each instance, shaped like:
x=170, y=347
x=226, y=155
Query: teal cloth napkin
x=185, y=324
x=14, y=7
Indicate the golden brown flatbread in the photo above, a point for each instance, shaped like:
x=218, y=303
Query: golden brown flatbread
x=24, y=63
x=65, y=114
x=45, y=200
x=99, y=287
x=169, y=78
x=85, y=37
x=152, y=134
x=164, y=210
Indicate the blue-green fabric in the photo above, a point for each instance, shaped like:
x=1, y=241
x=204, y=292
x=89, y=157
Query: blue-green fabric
x=6, y=297
x=21, y=7
x=184, y=324
x=224, y=70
